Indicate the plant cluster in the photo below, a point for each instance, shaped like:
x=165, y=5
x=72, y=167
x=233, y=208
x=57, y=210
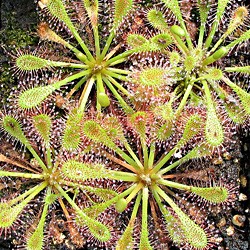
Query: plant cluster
x=150, y=89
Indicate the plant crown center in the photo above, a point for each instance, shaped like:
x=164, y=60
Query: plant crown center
x=52, y=177
x=147, y=177
x=97, y=67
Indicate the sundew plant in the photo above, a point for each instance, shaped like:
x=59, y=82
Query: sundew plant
x=96, y=61
x=145, y=169
x=151, y=89
x=93, y=65
x=120, y=165
x=42, y=183
x=195, y=47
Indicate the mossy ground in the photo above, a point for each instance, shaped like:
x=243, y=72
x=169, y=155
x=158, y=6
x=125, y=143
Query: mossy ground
x=18, y=28
x=18, y=21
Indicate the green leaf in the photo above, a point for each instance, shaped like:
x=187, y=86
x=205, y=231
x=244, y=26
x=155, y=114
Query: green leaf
x=166, y=126
x=194, y=235
x=192, y=127
x=94, y=211
x=9, y=214
x=97, y=133
x=35, y=240
x=213, y=129
x=238, y=17
x=72, y=132
x=204, y=6
x=191, y=233
x=218, y=54
x=157, y=20
x=114, y=128
x=99, y=230
x=221, y=8
x=243, y=69
x=103, y=193
x=160, y=41
x=126, y=241
x=29, y=62
x=164, y=111
x=140, y=44
x=165, y=131
x=214, y=132
x=79, y=171
x=57, y=9
x=91, y=6
x=33, y=97
x=173, y=226
x=42, y=123
x=173, y=5
x=243, y=95
x=138, y=122
x=215, y=195
x=152, y=76
x=244, y=37
x=197, y=152
x=122, y=7
x=13, y=127
x=236, y=112
x=174, y=58
x=144, y=239
x=213, y=74
x=136, y=41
